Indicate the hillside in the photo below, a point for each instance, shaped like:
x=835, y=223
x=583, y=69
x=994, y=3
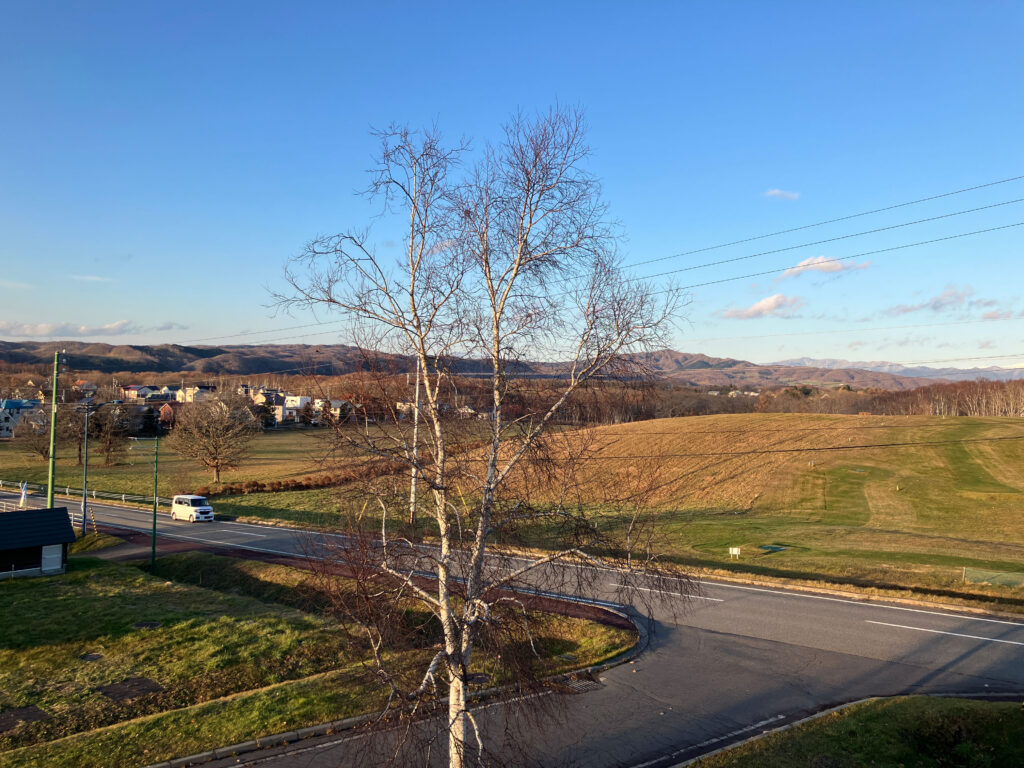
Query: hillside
x=993, y=373
x=947, y=495
x=337, y=359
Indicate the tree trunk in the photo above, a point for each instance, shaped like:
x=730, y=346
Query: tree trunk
x=456, y=724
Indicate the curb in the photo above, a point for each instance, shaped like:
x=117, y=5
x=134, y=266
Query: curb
x=818, y=715
x=276, y=740
x=858, y=596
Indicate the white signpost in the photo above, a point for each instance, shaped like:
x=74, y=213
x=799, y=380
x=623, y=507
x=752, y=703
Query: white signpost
x=734, y=553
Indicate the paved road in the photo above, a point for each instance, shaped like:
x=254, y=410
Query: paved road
x=736, y=660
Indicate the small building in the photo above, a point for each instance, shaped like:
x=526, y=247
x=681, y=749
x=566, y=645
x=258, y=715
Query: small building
x=11, y=412
x=85, y=387
x=34, y=542
x=196, y=394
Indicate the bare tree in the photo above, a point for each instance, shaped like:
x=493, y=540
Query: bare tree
x=71, y=428
x=509, y=259
x=215, y=432
x=33, y=432
x=111, y=427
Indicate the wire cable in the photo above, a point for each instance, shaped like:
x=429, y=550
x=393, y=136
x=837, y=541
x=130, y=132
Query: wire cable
x=828, y=221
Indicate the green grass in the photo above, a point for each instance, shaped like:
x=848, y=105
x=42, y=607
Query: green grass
x=238, y=652
x=209, y=645
x=909, y=517
x=93, y=542
x=913, y=732
x=275, y=455
x=166, y=735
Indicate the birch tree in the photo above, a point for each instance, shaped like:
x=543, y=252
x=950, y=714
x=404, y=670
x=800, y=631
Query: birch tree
x=508, y=255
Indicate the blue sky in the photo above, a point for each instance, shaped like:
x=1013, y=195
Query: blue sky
x=160, y=162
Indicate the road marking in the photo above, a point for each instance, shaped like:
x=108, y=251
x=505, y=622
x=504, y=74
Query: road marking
x=709, y=742
x=671, y=594
x=954, y=634
x=784, y=593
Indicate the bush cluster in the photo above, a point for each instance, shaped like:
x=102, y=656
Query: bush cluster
x=360, y=472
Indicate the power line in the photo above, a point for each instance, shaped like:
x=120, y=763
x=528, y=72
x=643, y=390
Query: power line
x=602, y=431
x=828, y=221
x=258, y=333
x=763, y=451
x=833, y=239
x=722, y=245
x=829, y=261
x=866, y=328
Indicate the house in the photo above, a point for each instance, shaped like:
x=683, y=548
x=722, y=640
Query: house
x=269, y=407
x=293, y=405
x=171, y=390
x=197, y=393
x=138, y=391
x=34, y=542
x=11, y=412
x=339, y=409
x=467, y=412
x=85, y=387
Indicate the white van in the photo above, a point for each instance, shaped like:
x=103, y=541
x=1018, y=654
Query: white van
x=191, y=508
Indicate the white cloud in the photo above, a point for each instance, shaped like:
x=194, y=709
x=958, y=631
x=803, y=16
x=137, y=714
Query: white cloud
x=949, y=299
x=72, y=330
x=782, y=194
x=771, y=306
x=997, y=315
x=91, y=279
x=119, y=328
x=821, y=264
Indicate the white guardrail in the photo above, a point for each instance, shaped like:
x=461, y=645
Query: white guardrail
x=67, y=490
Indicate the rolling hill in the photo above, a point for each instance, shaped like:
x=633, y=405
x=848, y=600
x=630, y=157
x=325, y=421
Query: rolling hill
x=337, y=359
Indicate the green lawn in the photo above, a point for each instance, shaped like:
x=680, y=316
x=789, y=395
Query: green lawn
x=915, y=732
x=241, y=651
x=275, y=455
x=908, y=517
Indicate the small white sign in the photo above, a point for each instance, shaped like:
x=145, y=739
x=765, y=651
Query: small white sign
x=734, y=552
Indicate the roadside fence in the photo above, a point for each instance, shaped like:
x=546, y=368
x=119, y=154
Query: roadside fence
x=67, y=490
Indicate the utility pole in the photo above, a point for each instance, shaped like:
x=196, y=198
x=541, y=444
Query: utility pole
x=156, y=464
x=85, y=472
x=57, y=361
x=89, y=410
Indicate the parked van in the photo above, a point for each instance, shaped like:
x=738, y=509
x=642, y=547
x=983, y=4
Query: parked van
x=191, y=508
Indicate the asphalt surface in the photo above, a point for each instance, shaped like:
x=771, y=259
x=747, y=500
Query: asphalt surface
x=735, y=661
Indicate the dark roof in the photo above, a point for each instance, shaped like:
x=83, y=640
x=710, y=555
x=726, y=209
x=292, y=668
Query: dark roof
x=35, y=528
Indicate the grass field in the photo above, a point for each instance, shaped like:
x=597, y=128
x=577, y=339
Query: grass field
x=908, y=515
x=240, y=651
x=913, y=732
x=914, y=515
x=275, y=455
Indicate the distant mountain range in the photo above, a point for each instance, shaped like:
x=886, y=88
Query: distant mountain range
x=242, y=360
x=994, y=373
